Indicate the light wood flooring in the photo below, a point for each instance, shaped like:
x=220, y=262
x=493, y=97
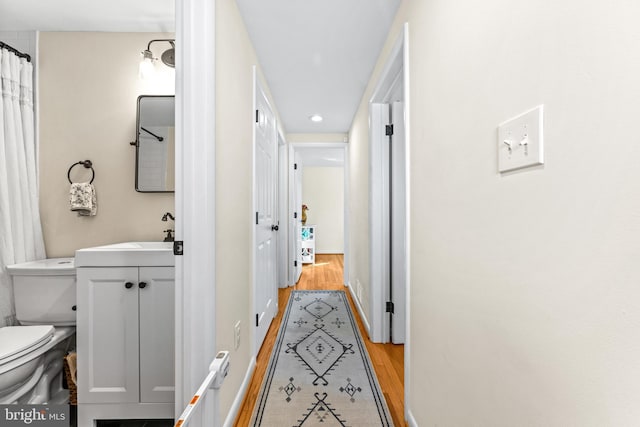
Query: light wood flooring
x=387, y=359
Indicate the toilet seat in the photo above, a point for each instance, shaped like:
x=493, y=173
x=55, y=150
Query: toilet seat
x=16, y=341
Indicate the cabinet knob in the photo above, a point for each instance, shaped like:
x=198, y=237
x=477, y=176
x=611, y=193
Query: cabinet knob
x=74, y=308
x=128, y=285
x=142, y=285
x=274, y=228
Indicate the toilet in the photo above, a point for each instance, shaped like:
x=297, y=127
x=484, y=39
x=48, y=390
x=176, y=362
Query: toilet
x=32, y=354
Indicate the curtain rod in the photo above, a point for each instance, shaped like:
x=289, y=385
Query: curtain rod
x=16, y=51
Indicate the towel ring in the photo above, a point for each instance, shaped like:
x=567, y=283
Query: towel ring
x=87, y=164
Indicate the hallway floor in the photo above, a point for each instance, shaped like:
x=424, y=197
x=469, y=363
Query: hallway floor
x=387, y=359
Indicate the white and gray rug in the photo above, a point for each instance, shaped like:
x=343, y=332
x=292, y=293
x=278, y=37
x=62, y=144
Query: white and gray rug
x=320, y=373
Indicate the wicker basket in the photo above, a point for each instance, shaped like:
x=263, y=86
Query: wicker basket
x=69, y=362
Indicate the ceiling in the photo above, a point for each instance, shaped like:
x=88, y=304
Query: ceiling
x=87, y=15
x=317, y=57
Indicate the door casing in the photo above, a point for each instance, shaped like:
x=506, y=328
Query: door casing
x=195, y=304
x=283, y=232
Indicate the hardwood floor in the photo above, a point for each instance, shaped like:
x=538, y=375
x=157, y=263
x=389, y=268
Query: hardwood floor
x=387, y=359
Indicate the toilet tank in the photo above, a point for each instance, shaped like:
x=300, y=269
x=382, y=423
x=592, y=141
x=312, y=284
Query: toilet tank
x=45, y=291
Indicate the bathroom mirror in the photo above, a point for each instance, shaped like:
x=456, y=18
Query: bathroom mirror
x=155, y=144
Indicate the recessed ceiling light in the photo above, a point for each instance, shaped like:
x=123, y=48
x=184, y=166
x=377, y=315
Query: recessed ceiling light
x=316, y=118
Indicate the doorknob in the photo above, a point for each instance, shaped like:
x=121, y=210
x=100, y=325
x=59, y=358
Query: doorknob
x=274, y=228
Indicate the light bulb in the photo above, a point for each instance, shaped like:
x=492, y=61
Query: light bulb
x=147, y=68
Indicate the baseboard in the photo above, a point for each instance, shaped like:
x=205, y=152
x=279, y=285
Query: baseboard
x=410, y=420
x=365, y=322
x=237, y=402
x=330, y=252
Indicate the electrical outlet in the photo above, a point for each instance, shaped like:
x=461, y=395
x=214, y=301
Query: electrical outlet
x=236, y=335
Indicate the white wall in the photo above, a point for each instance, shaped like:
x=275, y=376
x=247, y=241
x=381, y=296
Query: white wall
x=524, y=287
x=87, y=90
x=323, y=192
x=359, y=166
x=235, y=58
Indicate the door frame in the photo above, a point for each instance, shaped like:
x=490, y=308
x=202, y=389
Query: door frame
x=379, y=212
x=294, y=215
x=398, y=61
x=283, y=224
x=293, y=208
x=195, y=288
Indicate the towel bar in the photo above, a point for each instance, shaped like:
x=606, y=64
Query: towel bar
x=87, y=164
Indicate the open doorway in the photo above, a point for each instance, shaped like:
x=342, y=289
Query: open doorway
x=326, y=184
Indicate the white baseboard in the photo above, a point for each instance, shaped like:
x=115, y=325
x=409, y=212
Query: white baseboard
x=365, y=322
x=237, y=402
x=412, y=421
x=329, y=252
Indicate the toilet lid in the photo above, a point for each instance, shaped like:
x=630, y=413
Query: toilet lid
x=20, y=339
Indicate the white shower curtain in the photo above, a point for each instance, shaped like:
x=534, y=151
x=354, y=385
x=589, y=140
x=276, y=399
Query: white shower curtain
x=20, y=229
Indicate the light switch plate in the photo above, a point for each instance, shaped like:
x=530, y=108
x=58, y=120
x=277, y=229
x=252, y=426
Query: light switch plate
x=520, y=141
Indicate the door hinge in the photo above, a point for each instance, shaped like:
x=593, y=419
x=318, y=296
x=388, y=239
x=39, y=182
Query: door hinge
x=295, y=263
x=389, y=307
x=388, y=130
x=256, y=218
x=257, y=116
x=257, y=320
x=295, y=215
x=178, y=247
x=295, y=166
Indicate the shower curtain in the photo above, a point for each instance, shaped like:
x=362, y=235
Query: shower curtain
x=20, y=229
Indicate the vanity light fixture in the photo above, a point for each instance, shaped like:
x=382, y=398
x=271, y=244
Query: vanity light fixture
x=146, y=65
x=316, y=118
x=168, y=58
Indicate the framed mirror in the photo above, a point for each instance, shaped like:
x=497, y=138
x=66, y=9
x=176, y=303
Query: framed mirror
x=155, y=144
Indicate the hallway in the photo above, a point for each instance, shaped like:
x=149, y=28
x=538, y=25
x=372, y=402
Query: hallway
x=387, y=359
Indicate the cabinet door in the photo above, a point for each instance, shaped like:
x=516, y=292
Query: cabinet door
x=157, y=347
x=107, y=335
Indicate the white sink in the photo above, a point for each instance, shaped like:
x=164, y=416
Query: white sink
x=152, y=254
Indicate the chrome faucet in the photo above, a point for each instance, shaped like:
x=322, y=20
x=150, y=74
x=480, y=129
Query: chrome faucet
x=167, y=216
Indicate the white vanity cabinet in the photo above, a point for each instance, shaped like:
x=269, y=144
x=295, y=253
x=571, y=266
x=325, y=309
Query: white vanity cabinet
x=125, y=343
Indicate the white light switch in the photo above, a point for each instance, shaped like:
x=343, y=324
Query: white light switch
x=520, y=141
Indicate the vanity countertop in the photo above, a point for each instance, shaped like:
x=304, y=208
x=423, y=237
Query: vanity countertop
x=134, y=254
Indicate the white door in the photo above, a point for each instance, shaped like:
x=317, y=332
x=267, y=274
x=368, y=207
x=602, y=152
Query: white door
x=265, y=178
x=398, y=223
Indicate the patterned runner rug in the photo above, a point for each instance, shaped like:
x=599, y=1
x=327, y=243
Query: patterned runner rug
x=320, y=373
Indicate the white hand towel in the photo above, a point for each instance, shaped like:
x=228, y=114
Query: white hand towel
x=82, y=198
